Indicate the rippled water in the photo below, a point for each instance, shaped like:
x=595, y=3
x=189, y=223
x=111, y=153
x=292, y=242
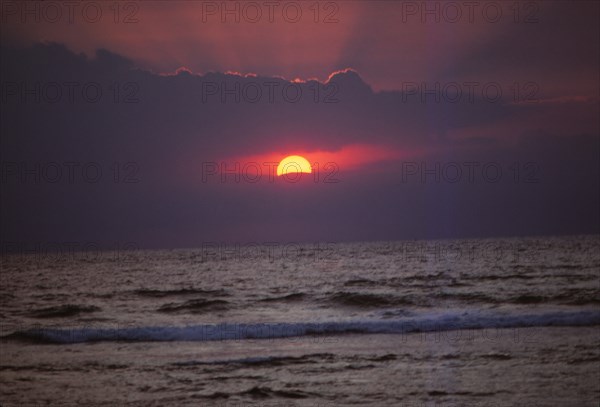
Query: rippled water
x=476, y=322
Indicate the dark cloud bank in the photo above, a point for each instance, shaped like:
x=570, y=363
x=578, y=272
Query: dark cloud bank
x=157, y=130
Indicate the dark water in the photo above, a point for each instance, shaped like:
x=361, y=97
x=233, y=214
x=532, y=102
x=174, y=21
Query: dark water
x=472, y=322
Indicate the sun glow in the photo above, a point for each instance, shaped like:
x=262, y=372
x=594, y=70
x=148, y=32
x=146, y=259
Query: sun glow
x=293, y=164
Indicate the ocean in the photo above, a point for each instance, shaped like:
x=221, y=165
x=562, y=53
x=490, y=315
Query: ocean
x=474, y=322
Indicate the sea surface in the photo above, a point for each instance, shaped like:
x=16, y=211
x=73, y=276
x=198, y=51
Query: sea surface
x=479, y=322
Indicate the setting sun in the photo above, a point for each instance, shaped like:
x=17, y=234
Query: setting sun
x=293, y=164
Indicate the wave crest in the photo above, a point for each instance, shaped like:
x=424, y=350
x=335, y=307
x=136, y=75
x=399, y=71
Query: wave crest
x=422, y=323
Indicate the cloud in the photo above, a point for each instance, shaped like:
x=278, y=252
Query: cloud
x=387, y=42
x=76, y=113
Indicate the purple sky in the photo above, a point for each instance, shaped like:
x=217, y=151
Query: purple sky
x=415, y=129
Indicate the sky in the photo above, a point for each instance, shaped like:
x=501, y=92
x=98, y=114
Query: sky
x=162, y=123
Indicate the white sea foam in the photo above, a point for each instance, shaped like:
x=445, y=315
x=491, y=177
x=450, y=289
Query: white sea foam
x=429, y=322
